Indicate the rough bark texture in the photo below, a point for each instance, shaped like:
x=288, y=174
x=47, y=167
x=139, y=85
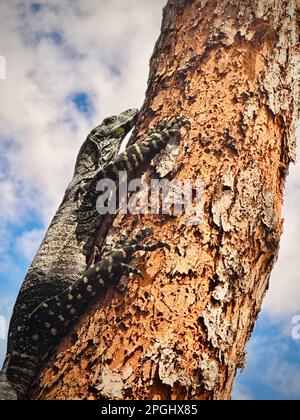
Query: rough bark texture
x=233, y=69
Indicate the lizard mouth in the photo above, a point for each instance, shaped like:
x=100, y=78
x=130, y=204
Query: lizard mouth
x=131, y=118
x=122, y=128
x=124, y=124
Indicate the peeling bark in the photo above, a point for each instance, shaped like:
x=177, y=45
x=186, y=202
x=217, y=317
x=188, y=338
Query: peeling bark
x=180, y=333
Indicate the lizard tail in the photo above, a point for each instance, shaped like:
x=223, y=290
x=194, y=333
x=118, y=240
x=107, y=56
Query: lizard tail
x=16, y=376
x=7, y=392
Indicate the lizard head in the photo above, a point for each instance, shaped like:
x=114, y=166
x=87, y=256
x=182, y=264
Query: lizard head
x=117, y=126
x=104, y=141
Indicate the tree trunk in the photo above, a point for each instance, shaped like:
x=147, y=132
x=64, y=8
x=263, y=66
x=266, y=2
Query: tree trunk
x=232, y=68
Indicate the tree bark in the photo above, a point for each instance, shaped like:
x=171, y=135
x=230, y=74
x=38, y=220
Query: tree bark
x=232, y=68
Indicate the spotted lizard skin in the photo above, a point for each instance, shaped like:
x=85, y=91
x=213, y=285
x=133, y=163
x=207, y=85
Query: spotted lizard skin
x=51, y=320
x=57, y=289
x=59, y=261
x=128, y=161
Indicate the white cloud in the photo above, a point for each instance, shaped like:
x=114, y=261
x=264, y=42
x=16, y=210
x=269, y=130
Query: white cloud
x=5, y=307
x=242, y=393
x=106, y=56
x=27, y=244
x=8, y=199
x=283, y=298
x=283, y=377
x=270, y=363
x=11, y=272
x=3, y=327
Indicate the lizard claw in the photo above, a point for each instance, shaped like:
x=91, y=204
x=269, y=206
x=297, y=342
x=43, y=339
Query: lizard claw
x=142, y=234
x=161, y=245
x=136, y=272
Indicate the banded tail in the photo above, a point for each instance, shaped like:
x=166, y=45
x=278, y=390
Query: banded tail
x=7, y=392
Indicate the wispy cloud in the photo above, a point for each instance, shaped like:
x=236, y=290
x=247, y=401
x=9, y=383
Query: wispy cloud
x=61, y=82
x=283, y=298
x=242, y=393
x=68, y=65
x=27, y=243
x=272, y=369
x=284, y=377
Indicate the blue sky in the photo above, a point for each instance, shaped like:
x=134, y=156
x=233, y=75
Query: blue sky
x=69, y=64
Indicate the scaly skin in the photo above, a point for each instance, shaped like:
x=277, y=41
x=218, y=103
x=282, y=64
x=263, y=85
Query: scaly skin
x=130, y=160
x=55, y=292
x=60, y=260
x=51, y=320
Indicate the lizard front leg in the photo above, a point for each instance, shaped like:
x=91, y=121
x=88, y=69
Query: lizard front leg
x=134, y=156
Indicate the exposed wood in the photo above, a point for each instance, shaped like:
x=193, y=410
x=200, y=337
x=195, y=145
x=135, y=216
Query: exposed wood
x=232, y=68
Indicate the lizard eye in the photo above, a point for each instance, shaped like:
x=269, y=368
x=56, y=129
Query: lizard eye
x=109, y=120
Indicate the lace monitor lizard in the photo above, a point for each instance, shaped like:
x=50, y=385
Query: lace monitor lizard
x=60, y=260
x=57, y=287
